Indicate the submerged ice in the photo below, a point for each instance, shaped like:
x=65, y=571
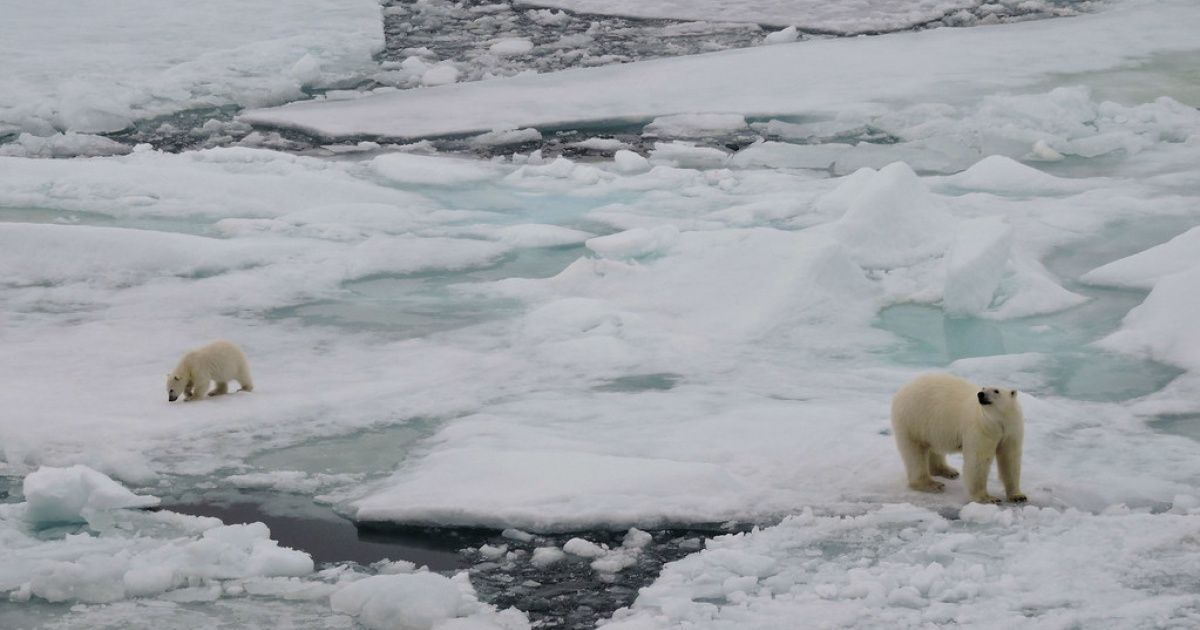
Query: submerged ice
x=689, y=334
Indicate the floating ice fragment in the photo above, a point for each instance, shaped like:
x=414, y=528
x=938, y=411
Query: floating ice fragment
x=694, y=125
x=511, y=47
x=442, y=74
x=503, y=137
x=68, y=495
x=546, y=556
x=783, y=36
x=1043, y=152
x=629, y=162
x=584, y=548
x=517, y=535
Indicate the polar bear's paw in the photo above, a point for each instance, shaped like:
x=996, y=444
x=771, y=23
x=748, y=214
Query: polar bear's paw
x=927, y=486
x=944, y=472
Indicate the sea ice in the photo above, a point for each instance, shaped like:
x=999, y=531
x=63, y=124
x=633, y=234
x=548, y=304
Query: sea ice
x=975, y=265
x=422, y=601
x=70, y=495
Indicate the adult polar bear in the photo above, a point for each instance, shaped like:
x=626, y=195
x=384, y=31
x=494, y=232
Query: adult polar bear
x=936, y=414
x=220, y=361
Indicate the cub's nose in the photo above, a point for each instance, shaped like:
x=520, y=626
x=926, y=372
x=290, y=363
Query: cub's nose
x=171, y=398
x=983, y=398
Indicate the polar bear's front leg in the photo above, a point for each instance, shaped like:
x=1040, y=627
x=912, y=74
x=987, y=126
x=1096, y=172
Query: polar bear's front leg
x=1008, y=460
x=977, y=463
x=200, y=389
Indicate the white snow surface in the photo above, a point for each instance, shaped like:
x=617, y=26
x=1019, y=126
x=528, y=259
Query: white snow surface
x=695, y=336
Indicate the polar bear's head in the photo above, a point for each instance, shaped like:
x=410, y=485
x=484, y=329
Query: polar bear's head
x=1001, y=397
x=176, y=385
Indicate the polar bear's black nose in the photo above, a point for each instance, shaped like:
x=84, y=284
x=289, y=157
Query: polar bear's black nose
x=171, y=398
x=983, y=399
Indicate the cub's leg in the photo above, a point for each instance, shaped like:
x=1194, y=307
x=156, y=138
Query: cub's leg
x=939, y=468
x=243, y=378
x=200, y=387
x=221, y=388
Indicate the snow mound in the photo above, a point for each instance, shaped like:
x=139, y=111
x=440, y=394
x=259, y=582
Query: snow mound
x=1145, y=269
x=70, y=495
x=1006, y=176
x=1163, y=327
x=892, y=219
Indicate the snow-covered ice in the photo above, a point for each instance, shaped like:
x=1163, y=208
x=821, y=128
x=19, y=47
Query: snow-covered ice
x=688, y=333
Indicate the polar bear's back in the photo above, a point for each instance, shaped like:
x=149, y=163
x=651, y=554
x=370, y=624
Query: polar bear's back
x=931, y=409
x=220, y=360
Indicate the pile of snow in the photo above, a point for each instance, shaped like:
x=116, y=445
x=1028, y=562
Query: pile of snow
x=893, y=220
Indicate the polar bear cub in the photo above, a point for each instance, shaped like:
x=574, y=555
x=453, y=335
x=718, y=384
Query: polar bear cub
x=936, y=414
x=220, y=361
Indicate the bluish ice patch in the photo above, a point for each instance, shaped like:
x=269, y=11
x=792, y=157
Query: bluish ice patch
x=1186, y=424
x=1072, y=367
x=417, y=305
x=31, y=214
x=641, y=383
x=365, y=452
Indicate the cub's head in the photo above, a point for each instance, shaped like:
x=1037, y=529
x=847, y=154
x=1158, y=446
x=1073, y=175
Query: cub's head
x=998, y=397
x=176, y=385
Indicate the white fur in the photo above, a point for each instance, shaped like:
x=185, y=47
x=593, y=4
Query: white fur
x=937, y=414
x=220, y=361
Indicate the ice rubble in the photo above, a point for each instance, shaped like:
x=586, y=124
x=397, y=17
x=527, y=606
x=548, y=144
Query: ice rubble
x=124, y=552
x=68, y=495
x=149, y=60
x=901, y=565
x=775, y=81
x=859, y=16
